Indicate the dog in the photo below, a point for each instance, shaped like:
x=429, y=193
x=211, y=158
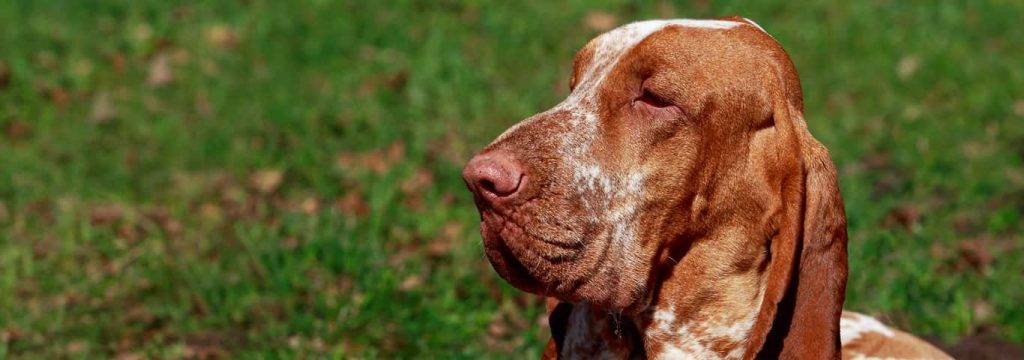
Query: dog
x=675, y=205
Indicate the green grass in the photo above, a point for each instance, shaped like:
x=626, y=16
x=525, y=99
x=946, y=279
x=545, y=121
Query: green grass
x=143, y=215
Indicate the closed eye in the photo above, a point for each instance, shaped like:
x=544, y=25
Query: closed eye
x=652, y=99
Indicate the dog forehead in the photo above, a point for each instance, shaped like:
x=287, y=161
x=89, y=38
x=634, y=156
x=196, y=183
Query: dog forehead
x=614, y=43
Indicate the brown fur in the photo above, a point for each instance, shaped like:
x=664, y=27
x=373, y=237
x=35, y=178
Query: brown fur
x=739, y=221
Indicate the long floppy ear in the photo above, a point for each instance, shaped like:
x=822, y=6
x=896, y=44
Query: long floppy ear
x=806, y=282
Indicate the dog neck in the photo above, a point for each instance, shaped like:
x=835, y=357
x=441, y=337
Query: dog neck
x=708, y=299
x=704, y=308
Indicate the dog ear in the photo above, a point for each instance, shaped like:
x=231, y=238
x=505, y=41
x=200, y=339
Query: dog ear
x=806, y=281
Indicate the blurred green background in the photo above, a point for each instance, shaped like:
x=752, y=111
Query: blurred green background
x=267, y=178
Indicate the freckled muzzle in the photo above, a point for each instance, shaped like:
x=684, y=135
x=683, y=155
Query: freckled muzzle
x=544, y=211
x=513, y=215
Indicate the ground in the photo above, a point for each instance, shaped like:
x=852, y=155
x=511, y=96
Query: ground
x=261, y=178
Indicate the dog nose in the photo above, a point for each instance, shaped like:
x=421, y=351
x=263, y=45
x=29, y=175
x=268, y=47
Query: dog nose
x=494, y=175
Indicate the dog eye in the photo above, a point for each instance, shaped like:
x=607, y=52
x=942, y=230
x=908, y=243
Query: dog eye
x=652, y=99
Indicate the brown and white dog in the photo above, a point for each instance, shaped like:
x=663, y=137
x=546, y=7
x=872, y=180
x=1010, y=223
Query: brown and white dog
x=676, y=206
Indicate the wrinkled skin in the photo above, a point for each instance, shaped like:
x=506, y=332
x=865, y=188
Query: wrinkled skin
x=615, y=171
x=672, y=202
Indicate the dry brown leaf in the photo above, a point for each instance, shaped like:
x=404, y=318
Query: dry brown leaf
x=975, y=255
x=906, y=216
x=211, y=212
x=600, y=21
x=411, y=283
x=419, y=181
x=221, y=36
x=163, y=218
x=102, y=109
x=58, y=95
x=76, y=347
x=378, y=161
x=129, y=356
x=142, y=33
x=290, y=243
x=17, y=130
x=160, y=72
x=105, y=214
x=353, y=204
x=666, y=10
x=117, y=62
x=5, y=74
x=267, y=180
x=310, y=206
x=442, y=244
x=393, y=81
x=908, y=66
x=983, y=311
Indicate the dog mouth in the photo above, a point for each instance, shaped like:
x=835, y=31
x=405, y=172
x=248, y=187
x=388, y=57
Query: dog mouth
x=528, y=254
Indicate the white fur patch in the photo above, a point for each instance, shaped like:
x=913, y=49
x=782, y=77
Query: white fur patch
x=678, y=339
x=611, y=198
x=757, y=26
x=853, y=325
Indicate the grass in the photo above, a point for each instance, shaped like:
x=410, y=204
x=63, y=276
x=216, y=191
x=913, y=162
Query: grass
x=266, y=179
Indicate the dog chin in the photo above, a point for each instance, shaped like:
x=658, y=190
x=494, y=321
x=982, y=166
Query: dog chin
x=608, y=293
x=505, y=263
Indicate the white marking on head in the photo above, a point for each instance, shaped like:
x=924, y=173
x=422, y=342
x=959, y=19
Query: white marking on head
x=853, y=325
x=757, y=26
x=611, y=198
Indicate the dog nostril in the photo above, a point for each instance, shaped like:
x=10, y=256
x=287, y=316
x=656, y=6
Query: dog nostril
x=488, y=186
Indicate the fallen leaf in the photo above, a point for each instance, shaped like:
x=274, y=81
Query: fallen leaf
x=102, y=109
x=142, y=33
x=221, y=36
x=411, y=283
x=497, y=327
x=908, y=66
x=160, y=73
x=205, y=345
x=211, y=212
x=82, y=68
x=442, y=244
x=163, y=218
x=1018, y=108
x=105, y=214
x=5, y=74
x=129, y=356
x=310, y=206
x=983, y=311
x=17, y=130
x=117, y=62
x=666, y=10
x=975, y=255
x=10, y=334
x=378, y=161
x=76, y=347
x=290, y=243
x=267, y=180
x=600, y=21
x=906, y=216
x=419, y=181
x=393, y=81
x=58, y=95
x=352, y=204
